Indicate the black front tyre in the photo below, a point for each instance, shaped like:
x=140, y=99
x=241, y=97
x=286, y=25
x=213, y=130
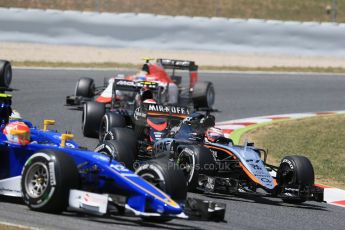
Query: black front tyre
x=295, y=171
x=91, y=118
x=117, y=151
x=5, y=74
x=203, y=95
x=85, y=87
x=165, y=175
x=47, y=178
x=195, y=160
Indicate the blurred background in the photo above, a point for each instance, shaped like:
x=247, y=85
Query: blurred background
x=96, y=37
x=295, y=10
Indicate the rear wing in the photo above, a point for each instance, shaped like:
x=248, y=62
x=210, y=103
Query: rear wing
x=134, y=86
x=159, y=110
x=166, y=110
x=177, y=64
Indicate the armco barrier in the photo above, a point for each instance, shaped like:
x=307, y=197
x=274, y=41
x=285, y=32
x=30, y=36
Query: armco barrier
x=166, y=32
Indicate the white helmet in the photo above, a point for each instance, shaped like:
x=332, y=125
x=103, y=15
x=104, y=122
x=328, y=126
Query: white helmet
x=15, y=115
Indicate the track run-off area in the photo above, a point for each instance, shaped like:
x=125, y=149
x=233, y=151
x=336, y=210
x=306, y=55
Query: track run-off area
x=40, y=94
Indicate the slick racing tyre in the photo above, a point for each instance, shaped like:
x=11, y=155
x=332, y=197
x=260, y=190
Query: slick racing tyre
x=195, y=160
x=91, y=118
x=85, y=87
x=203, y=95
x=117, y=151
x=123, y=135
x=5, y=74
x=47, y=178
x=165, y=175
x=295, y=171
x=110, y=120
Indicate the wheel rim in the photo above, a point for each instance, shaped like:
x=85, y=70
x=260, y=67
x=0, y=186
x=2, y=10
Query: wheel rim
x=36, y=180
x=210, y=97
x=106, y=154
x=285, y=175
x=149, y=177
x=186, y=162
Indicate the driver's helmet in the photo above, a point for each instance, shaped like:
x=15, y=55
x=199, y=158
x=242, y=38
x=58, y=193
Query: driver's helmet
x=150, y=101
x=212, y=134
x=145, y=94
x=15, y=115
x=194, y=119
x=140, y=76
x=22, y=137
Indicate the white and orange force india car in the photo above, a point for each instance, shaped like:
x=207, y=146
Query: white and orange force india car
x=223, y=167
x=174, y=90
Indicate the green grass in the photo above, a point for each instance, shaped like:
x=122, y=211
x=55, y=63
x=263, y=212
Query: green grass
x=204, y=68
x=319, y=138
x=306, y=10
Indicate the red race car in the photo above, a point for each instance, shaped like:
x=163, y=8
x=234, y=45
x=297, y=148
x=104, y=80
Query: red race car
x=174, y=90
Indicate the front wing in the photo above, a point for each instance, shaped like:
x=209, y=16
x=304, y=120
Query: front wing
x=97, y=204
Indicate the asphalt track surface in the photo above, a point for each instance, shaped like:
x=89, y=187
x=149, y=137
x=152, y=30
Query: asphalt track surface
x=40, y=95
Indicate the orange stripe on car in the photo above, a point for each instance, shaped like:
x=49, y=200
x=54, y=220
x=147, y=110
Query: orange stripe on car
x=221, y=149
x=249, y=174
x=166, y=114
x=102, y=99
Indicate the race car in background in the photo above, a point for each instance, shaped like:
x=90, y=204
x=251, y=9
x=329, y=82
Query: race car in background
x=147, y=124
x=5, y=74
x=51, y=173
x=199, y=94
x=127, y=95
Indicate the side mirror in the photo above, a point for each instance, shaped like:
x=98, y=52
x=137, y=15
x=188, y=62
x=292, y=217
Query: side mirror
x=46, y=123
x=65, y=137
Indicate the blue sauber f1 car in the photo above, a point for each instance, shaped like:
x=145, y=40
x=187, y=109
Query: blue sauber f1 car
x=52, y=173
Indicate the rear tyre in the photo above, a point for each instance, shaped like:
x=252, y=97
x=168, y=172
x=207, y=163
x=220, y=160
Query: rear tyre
x=195, y=160
x=91, y=118
x=47, y=178
x=108, y=121
x=295, y=171
x=166, y=176
x=118, y=151
x=85, y=87
x=5, y=74
x=203, y=95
